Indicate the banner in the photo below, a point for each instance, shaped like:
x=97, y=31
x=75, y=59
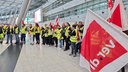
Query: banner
x=118, y=16
x=104, y=48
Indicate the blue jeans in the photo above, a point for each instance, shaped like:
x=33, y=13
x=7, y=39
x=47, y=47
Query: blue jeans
x=9, y=36
x=17, y=38
x=61, y=43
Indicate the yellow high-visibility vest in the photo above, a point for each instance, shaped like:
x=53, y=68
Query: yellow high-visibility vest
x=23, y=30
x=74, y=38
x=66, y=31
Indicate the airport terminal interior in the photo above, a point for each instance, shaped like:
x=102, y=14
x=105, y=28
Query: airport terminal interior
x=46, y=35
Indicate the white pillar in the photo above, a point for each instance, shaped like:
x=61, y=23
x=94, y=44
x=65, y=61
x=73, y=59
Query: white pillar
x=22, y=12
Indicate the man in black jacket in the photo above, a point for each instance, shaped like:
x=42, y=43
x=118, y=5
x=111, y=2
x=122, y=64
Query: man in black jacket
x=9, y=34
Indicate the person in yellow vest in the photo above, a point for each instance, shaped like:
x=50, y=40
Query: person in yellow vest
x=60, y=37
x=16, y=32
x=9, y=34
x=63, y=32
x=43, y=35
x=23, y=33
x=67, y=36
x=56, y=32
x=1, y=34
x=73, y=39
x=81, y=28
x=37, y=33
x=4, y=29
x=49, y=36
x=46, y=35
x=32, y=33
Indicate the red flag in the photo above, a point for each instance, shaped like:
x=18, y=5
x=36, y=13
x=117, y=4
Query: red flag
x=110, y=4
x=118, y=15
x=51, y=25
x=22, y=22
x=57, y=21
x=103, y=47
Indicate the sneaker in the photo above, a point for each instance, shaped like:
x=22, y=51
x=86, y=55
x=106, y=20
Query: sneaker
x=70, y=54
x=6, y=42
x=74, y=55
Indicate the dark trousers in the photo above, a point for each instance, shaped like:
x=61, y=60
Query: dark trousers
x=43, y=40
x=63, y=42
x=56, y=41
x=23, y=38
x=38, y=38
x=50, y=40
x=9, y=37
x=73, y=44
x=78, y=47
x=34, y=38
x=67, y=43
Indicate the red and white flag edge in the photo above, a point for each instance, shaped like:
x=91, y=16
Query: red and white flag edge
x=120, y=37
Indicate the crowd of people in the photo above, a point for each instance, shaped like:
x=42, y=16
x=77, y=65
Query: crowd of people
x=64, y=36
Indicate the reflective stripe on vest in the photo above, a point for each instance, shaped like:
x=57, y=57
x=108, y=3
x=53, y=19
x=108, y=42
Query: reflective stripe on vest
x=74, y=38
x=82, y=28
x=16, y=30
x=66, y=31
x=23, y=30
x=49, y=32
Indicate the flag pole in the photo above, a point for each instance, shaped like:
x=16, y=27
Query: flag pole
x=123, y=69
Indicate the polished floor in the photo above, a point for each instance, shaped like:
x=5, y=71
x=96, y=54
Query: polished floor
x=37, y=58
x=40, y=58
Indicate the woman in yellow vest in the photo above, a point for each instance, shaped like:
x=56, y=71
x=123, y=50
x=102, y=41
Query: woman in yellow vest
x=73, y=39
x=32, y=33
x=67, y=36
x=37, y=33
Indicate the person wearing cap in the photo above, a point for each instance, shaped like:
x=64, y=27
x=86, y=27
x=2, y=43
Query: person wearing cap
x=23, y=33
x=73, y=39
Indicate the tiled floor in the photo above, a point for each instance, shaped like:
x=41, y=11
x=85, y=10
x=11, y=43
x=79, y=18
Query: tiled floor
x=39, y=58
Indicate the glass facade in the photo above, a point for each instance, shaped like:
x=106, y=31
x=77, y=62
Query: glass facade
x=94, y=5
x=56, y=4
